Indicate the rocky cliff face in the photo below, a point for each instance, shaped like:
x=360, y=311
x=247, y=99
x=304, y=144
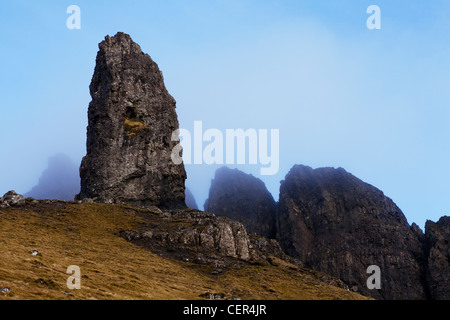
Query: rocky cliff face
x=337, y=224
x=244, y=198
x=131, y=119
x=438, y=265
x=190, y=200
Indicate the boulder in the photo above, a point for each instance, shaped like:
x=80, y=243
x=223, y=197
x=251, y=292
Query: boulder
x=11, y=198
x=438, y=264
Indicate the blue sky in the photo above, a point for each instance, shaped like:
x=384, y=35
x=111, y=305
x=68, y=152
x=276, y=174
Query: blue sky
x=375, y=102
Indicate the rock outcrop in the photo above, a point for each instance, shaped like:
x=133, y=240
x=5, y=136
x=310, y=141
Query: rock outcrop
x=244, y=198
x=438, y=264
x=131, y=119
x=201, y=237
x=337, y=224
x=177, y=233
x=190, y=200
x=60, y=181
x=11, y=198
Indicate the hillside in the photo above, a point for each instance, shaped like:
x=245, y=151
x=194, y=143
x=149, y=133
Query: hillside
x=89, y=235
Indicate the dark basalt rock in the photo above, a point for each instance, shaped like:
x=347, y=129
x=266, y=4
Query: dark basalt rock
x=131, y=120
x=438, y=266
x=244, y=198
x=335, y=223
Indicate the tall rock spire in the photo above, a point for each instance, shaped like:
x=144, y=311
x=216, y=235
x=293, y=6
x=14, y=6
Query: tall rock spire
x=131, y=119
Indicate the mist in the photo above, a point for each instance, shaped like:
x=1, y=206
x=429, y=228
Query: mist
x=374, y=102
x=60, y=181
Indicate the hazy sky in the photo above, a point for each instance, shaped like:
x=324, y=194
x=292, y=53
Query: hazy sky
x=375, y=102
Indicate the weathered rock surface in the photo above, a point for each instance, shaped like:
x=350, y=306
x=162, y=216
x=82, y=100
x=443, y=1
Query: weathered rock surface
x=244, y=198
x=337, y=224
x=60, y=181
x=438, y=266
x=11, y=198
x=131, y=119
x=201, y=237
x=213, y=238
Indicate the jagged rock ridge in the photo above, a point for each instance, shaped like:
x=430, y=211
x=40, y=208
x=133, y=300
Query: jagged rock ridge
x=337, y=224
x=244, y=198
x=131, y=119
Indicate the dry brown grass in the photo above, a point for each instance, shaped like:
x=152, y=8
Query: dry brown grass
x=86, y=235
x=133, y=126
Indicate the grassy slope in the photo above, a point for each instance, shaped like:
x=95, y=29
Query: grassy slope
x=86, y=235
